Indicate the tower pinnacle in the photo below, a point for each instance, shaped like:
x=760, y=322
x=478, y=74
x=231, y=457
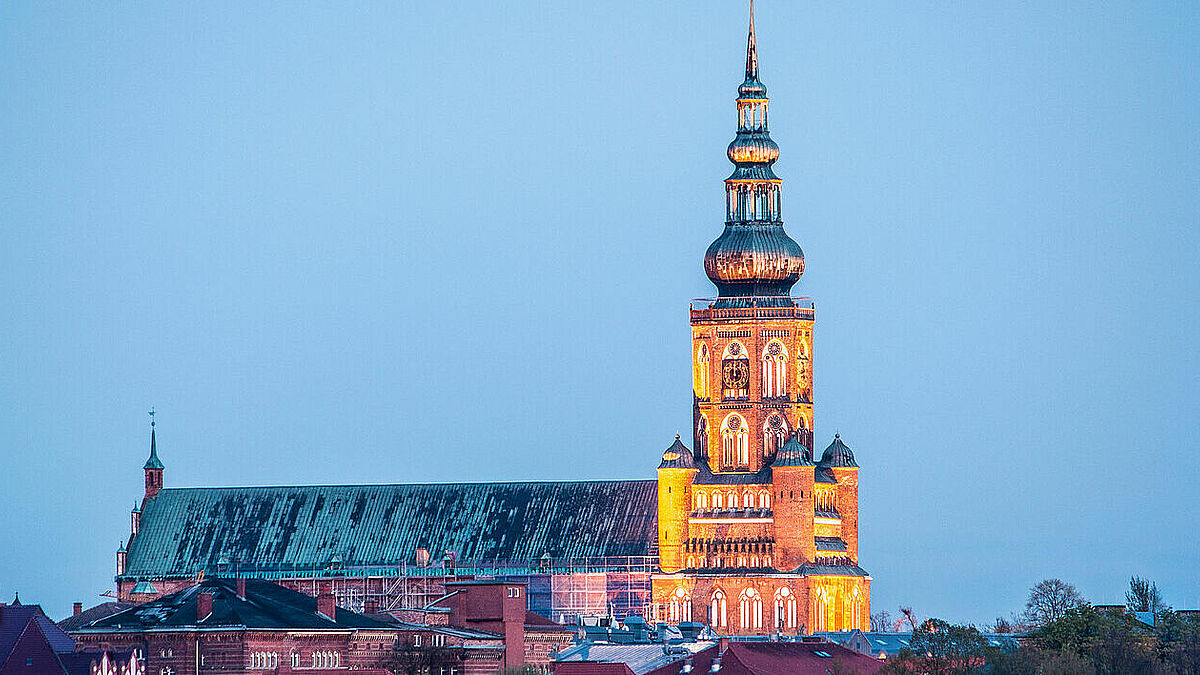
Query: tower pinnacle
x=751, y=50
x=153, y=467
x=754, y=262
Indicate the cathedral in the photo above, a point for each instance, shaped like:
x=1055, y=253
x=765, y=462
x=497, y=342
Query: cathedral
x=747, y=531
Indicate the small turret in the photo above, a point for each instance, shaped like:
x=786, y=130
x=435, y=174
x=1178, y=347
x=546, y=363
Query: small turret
x=675, y=476
x=153, y=466
x=839, y=460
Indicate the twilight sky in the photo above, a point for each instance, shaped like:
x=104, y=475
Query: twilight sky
x=455, y=242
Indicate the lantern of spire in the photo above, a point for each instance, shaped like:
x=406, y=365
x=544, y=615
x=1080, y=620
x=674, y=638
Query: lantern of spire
x=754, y=262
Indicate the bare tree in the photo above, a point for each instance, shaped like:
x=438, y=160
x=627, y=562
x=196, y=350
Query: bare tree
x=881, y=621
x=1049, y=600
x=1143, y=596
x=910, y=617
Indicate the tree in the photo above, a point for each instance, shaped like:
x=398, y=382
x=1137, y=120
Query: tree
x=1143, y=596
x=940, y=648
x=1049, y=601
x=881, y=621
x=910, y=617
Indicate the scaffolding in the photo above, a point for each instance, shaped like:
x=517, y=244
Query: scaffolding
x=561, y=590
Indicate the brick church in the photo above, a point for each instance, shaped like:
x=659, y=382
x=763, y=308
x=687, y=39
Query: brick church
x=748, y=530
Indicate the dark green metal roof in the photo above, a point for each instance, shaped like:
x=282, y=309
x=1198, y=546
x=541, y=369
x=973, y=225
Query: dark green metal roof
x=185, y=530
x=678, y=456
x=265, y=606
x=153, y=462
x=793, y=453
x=838, y=454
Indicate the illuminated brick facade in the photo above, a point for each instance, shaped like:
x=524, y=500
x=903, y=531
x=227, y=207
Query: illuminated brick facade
x=755, y=535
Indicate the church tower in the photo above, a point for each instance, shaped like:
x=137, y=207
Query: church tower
x=752, y=345
x=756, y=535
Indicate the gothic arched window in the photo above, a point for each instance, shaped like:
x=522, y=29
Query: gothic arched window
x=735, y=442
x=785, y=608
x=804, y=372
x=702, y=371
x=774, y=370
x=716, y=610
x=735, y=372
x=775, y=431
x=750, y=604
x=702, y=438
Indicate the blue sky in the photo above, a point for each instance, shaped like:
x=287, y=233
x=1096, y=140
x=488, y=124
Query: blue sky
x=456, y=241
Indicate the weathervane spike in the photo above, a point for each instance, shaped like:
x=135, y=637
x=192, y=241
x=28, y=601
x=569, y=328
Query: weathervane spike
x=751, y=49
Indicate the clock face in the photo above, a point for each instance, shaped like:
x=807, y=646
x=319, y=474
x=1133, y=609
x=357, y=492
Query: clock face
x=735, y=373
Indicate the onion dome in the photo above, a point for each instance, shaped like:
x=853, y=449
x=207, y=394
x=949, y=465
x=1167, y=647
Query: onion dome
x=755, y=259
x=750, y=147
x=838, y=455
x=754, y=262
x=677, y=456
x=793, y=453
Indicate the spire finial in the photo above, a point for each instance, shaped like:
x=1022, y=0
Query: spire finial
x=751, y=49
x=153, y=462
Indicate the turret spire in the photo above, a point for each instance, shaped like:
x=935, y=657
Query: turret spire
x=751, y=50
x=153, y=462
x=153, y=466
x=753, y=263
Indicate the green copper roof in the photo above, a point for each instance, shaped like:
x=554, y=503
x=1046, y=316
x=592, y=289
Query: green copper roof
x=677, y=456
x=838, y=454
x=793, y=453
x=184, y=530
x=153, y=462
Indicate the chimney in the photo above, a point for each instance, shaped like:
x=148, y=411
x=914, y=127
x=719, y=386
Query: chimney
x=723, y=644
x=204, y=604
x=325, y=606
x=77, y=609
x=241, y=588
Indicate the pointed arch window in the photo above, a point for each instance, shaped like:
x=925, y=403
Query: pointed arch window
x=750, y=609
x=680, y=607
x=774, y=370
x=735, y=442
x=804, y=373
x=775, y=431
x=702, y=438
x=716, y=610
x=735, y=372
x=702, y=372
x=785, y=608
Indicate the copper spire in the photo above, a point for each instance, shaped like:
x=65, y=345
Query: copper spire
x=754, y=262
x=751, y=49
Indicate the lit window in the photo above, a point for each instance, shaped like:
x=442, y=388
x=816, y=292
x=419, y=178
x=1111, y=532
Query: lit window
x=774, y=370
x=716, y=615
x=775, y=431
x=750, y=606
x=735, y=442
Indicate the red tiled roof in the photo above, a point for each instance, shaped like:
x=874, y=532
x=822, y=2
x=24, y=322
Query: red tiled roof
x=802, y=658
